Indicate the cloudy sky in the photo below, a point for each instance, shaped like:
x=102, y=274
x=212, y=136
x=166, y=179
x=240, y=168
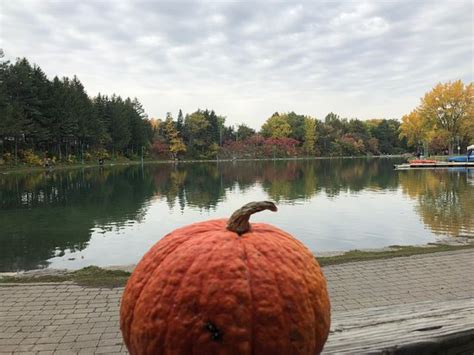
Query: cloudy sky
x=248, y=59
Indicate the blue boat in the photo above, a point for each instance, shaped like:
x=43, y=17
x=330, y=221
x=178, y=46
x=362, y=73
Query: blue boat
x=469, y=157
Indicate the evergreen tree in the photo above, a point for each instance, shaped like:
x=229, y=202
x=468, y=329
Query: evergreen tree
x=118, y=128
x=244, y=132
x=138, y=134
x=180, y=122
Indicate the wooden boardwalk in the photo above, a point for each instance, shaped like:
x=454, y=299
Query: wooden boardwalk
x=442, y=327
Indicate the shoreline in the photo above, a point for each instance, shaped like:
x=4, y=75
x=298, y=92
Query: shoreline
x=28, y=169
x=118, y=274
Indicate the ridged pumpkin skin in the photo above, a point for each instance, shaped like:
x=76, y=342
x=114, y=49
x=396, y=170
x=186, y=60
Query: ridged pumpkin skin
x=203, y=289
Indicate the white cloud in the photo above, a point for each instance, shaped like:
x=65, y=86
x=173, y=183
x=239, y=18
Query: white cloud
x=249, y=59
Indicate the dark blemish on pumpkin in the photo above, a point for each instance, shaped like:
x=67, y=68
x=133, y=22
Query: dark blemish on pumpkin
x=216, y=333
x=296, y=336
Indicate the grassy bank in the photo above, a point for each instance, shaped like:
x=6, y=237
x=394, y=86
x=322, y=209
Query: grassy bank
x=24, y=168
x=93, y=276
x=393, y=251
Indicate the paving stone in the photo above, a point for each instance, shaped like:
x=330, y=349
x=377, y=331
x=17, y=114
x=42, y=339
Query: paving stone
x=85, y=344
x=68, y=319
x=46, y=347
x=108, y=349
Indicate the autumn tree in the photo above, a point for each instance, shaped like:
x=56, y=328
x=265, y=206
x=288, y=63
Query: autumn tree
x=414, y=128
x=276, y=126
x=449, y=107
x=309, y=135
x=175, y=143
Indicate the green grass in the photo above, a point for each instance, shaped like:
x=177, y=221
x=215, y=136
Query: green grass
x=91, y=276
x=396, y=251
x=24, y=168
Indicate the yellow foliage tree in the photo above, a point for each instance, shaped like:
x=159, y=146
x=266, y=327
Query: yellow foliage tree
x=176, y=144
x=309, y=135
x=276, y=126
x=449, y=107
x=415, y=129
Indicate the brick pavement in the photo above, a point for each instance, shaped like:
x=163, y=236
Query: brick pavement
x=66, y=318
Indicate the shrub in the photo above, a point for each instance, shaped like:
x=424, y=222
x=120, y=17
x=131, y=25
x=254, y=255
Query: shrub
x=8, y=158
x=101, y=153
x=29, y=157
x=71, y=158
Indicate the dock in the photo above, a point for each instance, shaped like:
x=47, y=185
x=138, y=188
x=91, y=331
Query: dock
x=437, y=165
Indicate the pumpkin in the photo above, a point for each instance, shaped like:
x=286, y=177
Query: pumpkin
x=226, y=287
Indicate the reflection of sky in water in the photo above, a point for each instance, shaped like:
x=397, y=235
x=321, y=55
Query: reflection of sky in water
x=367, y=219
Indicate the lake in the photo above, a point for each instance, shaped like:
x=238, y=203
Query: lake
x=113, y=215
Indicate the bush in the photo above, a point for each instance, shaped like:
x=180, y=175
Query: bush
x=101, y=154
x=29, y=157
x=71, y=158
x=8, y=158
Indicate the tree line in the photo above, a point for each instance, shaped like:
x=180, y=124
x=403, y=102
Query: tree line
x=204, y=135
x=56, y=119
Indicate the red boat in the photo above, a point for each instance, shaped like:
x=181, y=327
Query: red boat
x=422, y=161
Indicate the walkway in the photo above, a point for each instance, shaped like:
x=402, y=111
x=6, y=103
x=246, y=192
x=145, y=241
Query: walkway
x=66, y=318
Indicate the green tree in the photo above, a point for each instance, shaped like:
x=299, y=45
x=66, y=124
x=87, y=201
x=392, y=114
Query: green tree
x=58, y=116
x=244, y=132
x=298, y=126
x=138, y=126
x=180, y=122
x=118, y=124
x=196, y=128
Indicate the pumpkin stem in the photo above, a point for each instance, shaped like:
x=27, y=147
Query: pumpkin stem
x=239, y=221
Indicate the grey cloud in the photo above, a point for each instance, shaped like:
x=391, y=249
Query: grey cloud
x=249, y=59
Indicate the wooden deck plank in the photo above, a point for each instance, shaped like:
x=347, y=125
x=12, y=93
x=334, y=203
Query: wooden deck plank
x=405, y=329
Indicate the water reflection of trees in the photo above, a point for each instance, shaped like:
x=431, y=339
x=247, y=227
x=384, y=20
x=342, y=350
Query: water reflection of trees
x=43, y=214
x=47, y=213
x=205, y=185
x=445, y=199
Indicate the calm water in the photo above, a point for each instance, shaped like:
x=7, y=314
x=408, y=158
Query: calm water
x=111, y=216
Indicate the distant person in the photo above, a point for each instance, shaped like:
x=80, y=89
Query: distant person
x=101, y=161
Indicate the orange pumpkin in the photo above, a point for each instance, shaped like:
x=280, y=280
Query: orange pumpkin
x=225, y=287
